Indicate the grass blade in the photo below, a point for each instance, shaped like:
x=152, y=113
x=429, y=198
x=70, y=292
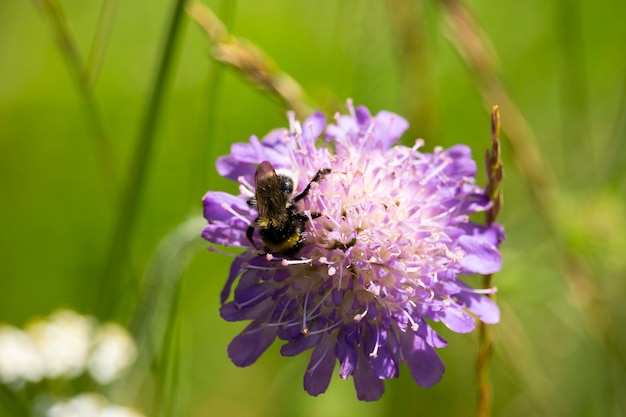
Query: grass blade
x=133, y=191
x=100, y=42
x=103, y=148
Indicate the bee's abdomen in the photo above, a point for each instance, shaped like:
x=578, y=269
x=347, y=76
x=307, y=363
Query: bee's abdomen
x=280, y=237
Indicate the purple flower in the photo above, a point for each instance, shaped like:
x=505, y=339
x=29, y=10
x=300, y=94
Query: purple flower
x=378, y=265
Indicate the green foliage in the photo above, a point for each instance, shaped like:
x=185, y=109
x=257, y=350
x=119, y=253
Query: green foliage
x=68, y=150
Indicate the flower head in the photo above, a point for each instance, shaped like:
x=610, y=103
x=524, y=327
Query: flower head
x=387, y=233
x=20, y=361
x=112, y=352
x=63, y=341
x=64, y=345
x=88, y=405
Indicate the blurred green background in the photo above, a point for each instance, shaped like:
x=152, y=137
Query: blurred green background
x=561, y=344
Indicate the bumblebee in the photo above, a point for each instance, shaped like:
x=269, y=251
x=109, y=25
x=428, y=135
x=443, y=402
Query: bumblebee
x=281, y=223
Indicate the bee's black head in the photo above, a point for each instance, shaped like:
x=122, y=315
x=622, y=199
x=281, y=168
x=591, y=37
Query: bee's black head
x=286, y=184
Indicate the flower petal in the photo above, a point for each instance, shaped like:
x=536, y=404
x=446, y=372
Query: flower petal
x=313, y=127
x=457, y=320
x=244, y=156
x=320, y=368
x=481, y=257
x=233, y=312
x=430, y=336
x=235, y=270
x=246, y=348
x=482, y=306
x=425, y=365
x=384, y=357
x=388, y=128
x=231, y=168
x=367, y=384
x=225, y=228
x=300, y=344
x=462, y=163
x=346, y=352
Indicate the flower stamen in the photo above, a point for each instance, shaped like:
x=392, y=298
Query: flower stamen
x=229, y=209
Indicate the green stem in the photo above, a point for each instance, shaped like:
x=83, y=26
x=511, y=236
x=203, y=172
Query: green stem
x=575, y=120
x=100, y=42
x=614, y=170
x=493, y=190
x=118, y=252
x=199, y=181
x=159, y=300
x=67, y=44
x=478, y=54
x=170, y=359
x=483, y=359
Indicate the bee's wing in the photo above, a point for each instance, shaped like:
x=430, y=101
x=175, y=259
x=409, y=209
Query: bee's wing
x=270, y=199
x=264, y=171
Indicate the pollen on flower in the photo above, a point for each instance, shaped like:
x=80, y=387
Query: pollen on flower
x=383, y=259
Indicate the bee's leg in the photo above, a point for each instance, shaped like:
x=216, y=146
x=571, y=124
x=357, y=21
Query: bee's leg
x=304, y=218
x=250, y=231
x=320, y=174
